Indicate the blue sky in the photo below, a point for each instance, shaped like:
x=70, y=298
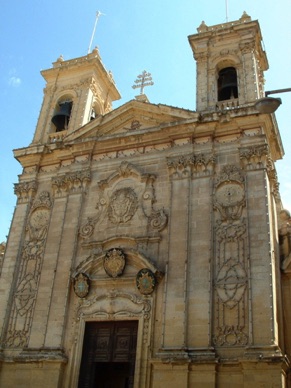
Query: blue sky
x=132, y=36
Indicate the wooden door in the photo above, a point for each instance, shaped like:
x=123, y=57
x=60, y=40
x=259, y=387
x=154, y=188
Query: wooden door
x=108, y=357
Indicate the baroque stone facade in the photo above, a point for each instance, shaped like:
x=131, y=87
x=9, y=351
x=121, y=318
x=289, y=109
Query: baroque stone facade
x=149, y=245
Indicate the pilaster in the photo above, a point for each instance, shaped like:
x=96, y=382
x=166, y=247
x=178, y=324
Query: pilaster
x=50, y=306
x=25, y=193
x=175, y=314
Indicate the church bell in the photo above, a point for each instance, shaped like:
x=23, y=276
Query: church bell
x=62, y=117
x=227, y=84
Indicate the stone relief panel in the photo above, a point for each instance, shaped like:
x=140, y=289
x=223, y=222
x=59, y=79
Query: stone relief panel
x=31, y=258
x=230, y=274
x=125, y=199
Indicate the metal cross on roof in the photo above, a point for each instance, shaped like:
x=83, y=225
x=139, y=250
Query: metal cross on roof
x=144, y=79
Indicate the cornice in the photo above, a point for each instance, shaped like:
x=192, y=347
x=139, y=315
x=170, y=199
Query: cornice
x=215, y=126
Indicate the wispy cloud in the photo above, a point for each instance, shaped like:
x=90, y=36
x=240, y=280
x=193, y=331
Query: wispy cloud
x=14, y=81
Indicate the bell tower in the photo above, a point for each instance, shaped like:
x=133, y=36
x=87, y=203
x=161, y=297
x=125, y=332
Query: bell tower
x=230, y=64
x=76, y=92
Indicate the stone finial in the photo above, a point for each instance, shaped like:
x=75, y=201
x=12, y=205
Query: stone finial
x=203, y=27
x=245, y=17
x=95, y=52
x=60, y=58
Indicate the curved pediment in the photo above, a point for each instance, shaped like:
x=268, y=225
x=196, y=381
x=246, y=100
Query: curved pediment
x=93, y=265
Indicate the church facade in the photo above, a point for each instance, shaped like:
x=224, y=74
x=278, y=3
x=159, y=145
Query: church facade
x=149, y=245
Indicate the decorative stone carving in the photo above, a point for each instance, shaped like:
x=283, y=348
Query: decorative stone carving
x=231, y=282
x=135, y=124
x=229, y=231
x=25, y=191
x=145, y=281
x=272, y=174
x=122, y=205
x=191, y=165
x=247, y=48
x=230, y=200
x=31, y=258
x=87, y=229
x=81, y=285
x=230, y=264
x=254, y=157
x=114, y=262
x=71, y=182
x=158, y=220
x=230, y=336
x=126, y=196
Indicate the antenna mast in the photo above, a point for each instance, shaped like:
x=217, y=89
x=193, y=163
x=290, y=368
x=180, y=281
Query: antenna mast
x=226, y=10
x=98, y=13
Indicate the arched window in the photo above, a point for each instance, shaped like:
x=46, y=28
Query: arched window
x=62, y=115
x=227, y=84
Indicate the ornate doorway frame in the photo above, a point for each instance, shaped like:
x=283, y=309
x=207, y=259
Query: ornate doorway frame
x=113, y=306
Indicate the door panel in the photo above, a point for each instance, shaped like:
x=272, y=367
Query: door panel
x=108, y=356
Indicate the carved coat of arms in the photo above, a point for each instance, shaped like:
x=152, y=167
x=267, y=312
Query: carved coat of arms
x=81, y=285
x=145, y=281
x=123, y=205
x=114, y=262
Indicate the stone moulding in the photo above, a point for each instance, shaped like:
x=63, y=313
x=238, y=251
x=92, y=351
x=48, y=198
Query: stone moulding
x=41, y=355
x=178, y=356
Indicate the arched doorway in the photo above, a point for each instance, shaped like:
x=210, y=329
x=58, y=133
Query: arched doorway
x=108, y=356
